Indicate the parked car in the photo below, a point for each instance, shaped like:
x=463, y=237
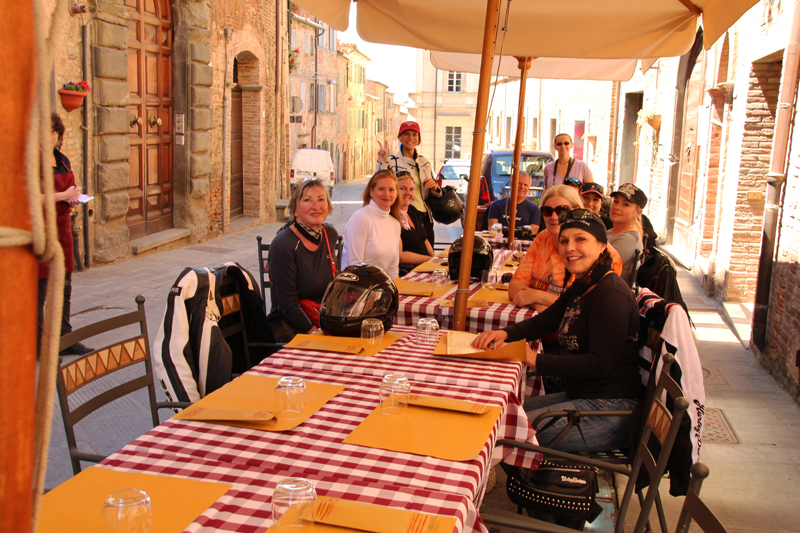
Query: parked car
x=496, y=168
x=455, y=172
x=310, y=163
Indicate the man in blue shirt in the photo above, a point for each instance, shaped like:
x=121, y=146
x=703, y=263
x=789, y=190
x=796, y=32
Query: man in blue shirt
x=528, y=213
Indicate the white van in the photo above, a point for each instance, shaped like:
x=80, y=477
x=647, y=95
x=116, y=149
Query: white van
x=310, y=163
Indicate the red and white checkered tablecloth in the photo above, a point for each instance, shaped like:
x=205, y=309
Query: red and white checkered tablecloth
x=501, y=243
x=246, y=507
x=496, y=316
x=416, y=362
x=315, y=447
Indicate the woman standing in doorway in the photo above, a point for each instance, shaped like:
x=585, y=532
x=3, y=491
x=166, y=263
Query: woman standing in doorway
x=565, y=167
x=408, y=161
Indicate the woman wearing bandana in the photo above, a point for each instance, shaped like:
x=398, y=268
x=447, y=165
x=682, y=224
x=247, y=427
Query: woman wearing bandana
x=597, y=323
x=301, y=262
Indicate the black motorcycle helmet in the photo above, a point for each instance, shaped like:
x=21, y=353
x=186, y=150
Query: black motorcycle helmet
x=446, y=208
x=482, y=257
x=358, y=292
x=523, y=233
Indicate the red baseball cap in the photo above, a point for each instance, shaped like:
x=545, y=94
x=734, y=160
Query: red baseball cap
x=409, y=125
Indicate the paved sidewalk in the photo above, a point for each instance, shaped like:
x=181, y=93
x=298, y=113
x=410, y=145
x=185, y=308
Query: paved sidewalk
x=754, y=484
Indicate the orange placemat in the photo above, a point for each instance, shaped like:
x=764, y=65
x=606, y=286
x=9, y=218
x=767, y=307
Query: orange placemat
x=349, y=345
x=434, y=432
x=444, y=253
x=448, y=404
x=428, y=267
x=514, y=351
x=77, y=504
x=421, y=288
x=250, y=391
x=334, y=515
x=494, y=296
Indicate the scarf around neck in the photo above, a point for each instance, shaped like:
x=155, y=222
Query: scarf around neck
x=313, y=235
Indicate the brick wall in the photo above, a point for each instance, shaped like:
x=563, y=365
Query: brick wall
x=762, y=99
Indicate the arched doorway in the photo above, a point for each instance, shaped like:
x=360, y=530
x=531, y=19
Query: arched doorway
x=237, y=154
x=150, y=188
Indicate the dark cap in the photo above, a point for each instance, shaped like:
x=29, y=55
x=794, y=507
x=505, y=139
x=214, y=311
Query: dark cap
x=632, y=193
x=585, y=220
x=593, y=188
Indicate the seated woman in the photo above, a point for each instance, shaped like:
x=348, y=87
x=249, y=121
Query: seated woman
x=415, y=248
x=540, y=278
x=372, y=235
x=626, y=234
x=301, y=262
x=597, y=323
x=593, y=198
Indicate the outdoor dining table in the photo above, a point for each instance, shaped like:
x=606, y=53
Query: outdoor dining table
x=501, y=243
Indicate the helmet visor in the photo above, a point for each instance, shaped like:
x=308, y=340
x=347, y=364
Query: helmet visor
x=347, y=300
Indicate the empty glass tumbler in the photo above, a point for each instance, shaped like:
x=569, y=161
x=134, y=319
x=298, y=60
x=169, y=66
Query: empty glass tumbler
x=489, y=279
x=127, y=511
x=395, y=390
x=427, y=331
x=372, y=332
x=440, y=276
x=290, y=397
x=497, y=229
x=293, y=493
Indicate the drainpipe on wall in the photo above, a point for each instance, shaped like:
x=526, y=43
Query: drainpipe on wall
x=435, y=108
x=317, y=33
x=775, y=180
x=613, y=179
x=225, y=121
x=86, y=183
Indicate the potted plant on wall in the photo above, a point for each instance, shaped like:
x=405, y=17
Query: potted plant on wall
x=293, y=55
x=72, y=94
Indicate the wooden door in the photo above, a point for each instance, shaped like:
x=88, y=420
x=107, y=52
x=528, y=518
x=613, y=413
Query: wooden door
x=150, y=79
x=689, y=157
x=237, y=166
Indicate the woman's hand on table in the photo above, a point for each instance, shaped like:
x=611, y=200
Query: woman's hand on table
x=490, y=340
x=525, y=298
x=530, y=356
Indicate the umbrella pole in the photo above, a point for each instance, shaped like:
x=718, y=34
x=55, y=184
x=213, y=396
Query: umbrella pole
x=524, y=65
x=474, y=188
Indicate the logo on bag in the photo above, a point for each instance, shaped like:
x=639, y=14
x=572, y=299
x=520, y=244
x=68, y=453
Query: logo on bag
x=577, y=480
x=348, y=276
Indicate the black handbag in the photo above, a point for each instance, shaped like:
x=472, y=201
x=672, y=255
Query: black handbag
x=560, y=488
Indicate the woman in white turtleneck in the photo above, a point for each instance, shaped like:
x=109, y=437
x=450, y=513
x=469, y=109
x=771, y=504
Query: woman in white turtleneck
x=372, y=235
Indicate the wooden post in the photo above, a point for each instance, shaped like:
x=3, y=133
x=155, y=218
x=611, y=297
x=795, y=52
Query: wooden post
x=18, y=305
x=524, y=66
x=474, y=188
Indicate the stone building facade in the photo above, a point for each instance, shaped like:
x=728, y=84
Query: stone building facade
x=186, y=126
x=356, y=161
x=706, y=136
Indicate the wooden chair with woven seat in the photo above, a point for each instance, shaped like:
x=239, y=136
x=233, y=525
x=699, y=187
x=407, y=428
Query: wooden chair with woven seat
x=662, y=423
x=98, y=366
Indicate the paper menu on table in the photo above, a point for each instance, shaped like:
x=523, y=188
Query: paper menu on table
x=461, y=342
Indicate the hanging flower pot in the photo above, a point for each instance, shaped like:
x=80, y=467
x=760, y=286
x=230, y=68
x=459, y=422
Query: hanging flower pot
x=72, y=95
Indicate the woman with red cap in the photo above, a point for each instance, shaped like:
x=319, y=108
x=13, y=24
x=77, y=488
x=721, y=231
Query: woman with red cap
x=408, y=162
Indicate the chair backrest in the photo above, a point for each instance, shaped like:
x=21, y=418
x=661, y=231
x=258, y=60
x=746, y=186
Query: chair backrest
x=694, y=508
x=663, y=424
x=263, y=269
x=97, y=366
x=637, y=255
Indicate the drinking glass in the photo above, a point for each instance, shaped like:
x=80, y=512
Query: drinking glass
x=293, y=492
x=489, y=279
x=497, y=229
x=290, y=397
x=395, y=389
x=127, y=511
x=372, y=332
x=427, y=331
x=440, y=276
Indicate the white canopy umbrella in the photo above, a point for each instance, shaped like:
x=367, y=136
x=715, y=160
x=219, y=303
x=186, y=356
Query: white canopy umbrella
x=611, y=29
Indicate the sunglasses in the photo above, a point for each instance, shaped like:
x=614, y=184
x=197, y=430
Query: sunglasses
x=575, y=182
x=507, y=277
x=566, y=143
x=402, y=173
x=578, y=214
x=559, y=210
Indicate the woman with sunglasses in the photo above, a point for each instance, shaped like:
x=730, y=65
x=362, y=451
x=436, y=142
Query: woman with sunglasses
x=597, y=324
x=565, y=166
x=541, y=276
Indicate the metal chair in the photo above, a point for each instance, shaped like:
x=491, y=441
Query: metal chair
x=694, y=508
x=661, y=423
x=97, y=366
x=263, y=270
